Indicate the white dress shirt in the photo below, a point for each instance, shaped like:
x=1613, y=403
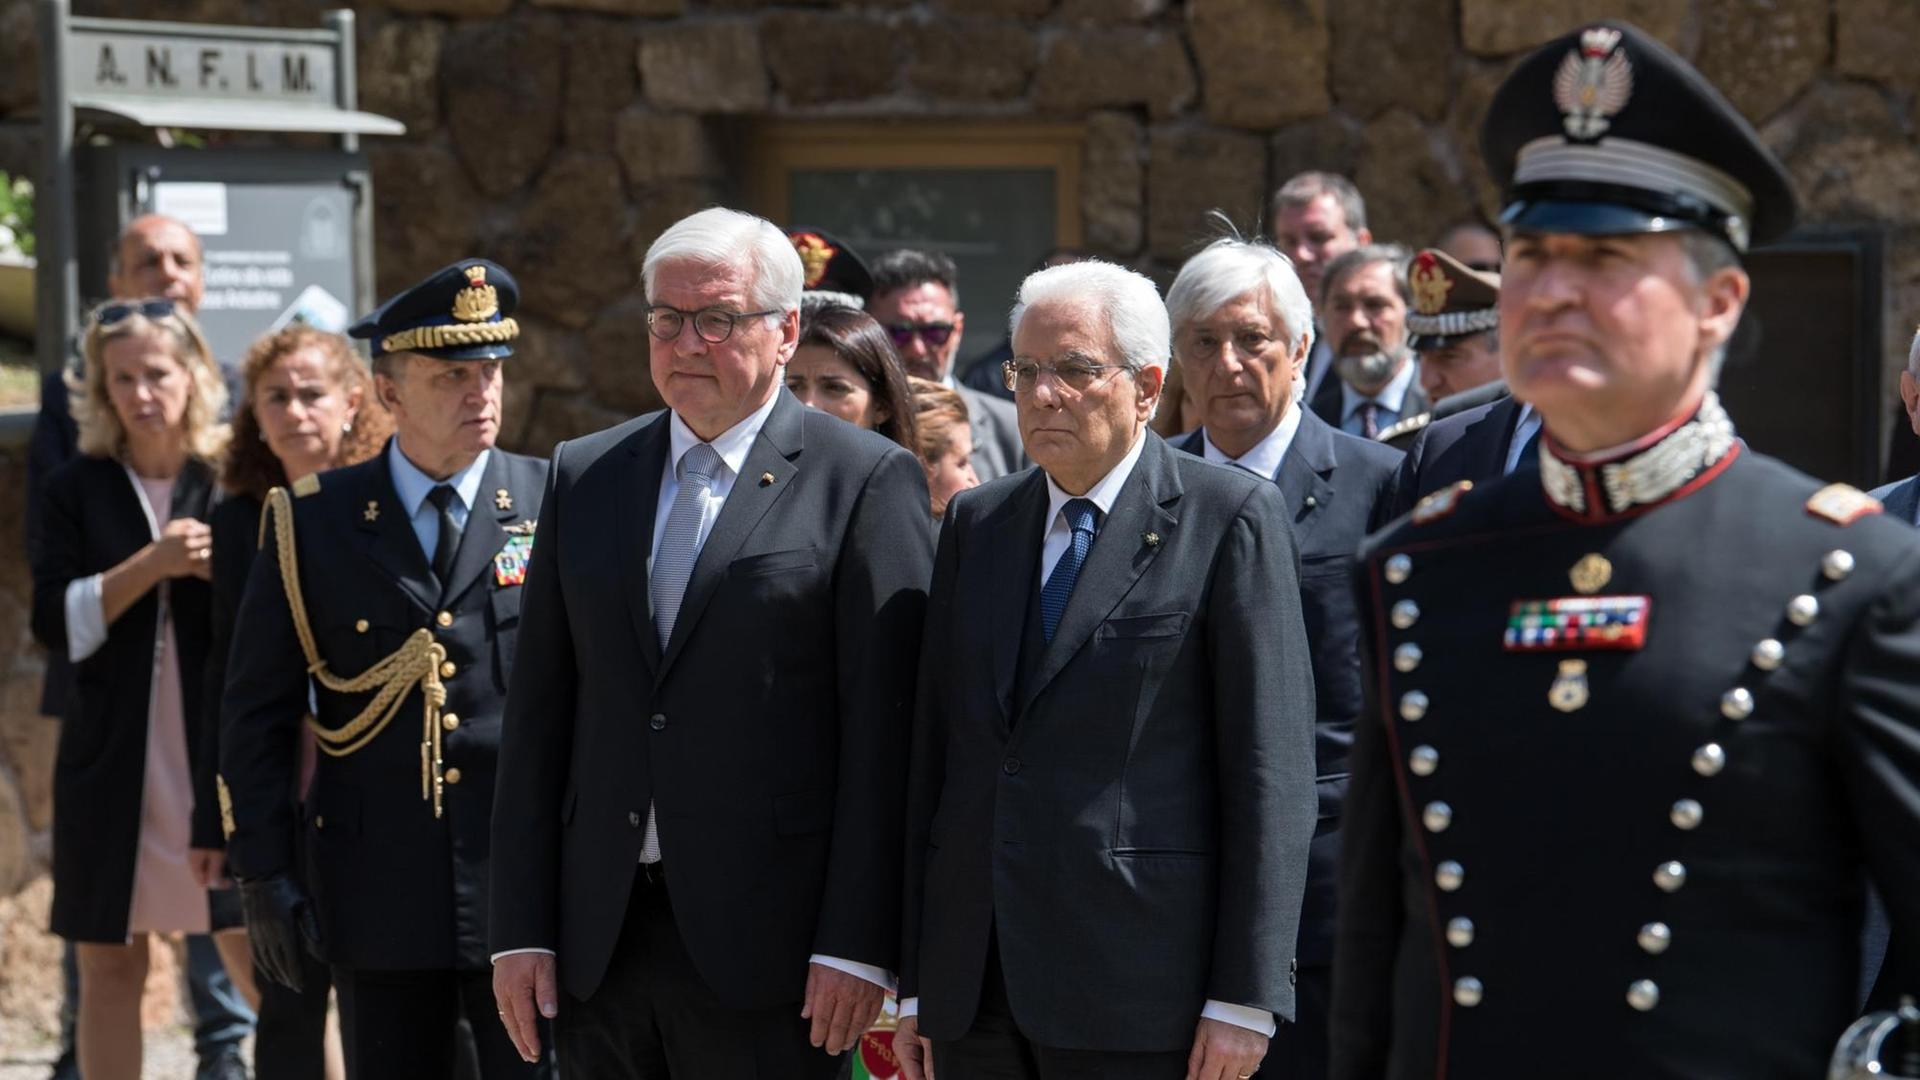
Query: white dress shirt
x=413, y=487
x=1263, y=460
x=1392, y=398
x=1053, y=545
x=732, y=445
x=1523, y=429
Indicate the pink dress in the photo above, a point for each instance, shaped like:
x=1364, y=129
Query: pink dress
x=165, y=896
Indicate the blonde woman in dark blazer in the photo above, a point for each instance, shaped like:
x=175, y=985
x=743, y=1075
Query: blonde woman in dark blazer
x=120, y=586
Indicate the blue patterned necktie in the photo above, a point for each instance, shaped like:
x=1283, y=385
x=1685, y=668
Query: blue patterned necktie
x=1082, y=517
x=680, y=541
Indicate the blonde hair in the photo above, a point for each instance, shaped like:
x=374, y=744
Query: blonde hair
x=101, y=434
x=937, y=413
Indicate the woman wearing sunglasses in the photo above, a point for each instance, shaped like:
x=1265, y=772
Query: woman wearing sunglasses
x=120, y=586
x=844, y=367
x=307, y=405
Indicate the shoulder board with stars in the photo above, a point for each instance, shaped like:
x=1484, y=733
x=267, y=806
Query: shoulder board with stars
x=1402, y=427
x=1842, y=504
x=306, y=485
x=1441, y=503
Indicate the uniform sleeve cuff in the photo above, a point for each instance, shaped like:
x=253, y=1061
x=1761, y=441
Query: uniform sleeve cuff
x=1245, y=1016
x=878, y=976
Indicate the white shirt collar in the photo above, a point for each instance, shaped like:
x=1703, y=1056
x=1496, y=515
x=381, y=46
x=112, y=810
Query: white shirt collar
x=1391, y=396
x=413, y=485
x=1103, y=493
x=1264, y=458
x=732, y=444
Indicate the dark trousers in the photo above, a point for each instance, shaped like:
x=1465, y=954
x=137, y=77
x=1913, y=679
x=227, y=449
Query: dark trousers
x=1299, y=1049
x=404, y=1025
x=289, y=1039
x=996, y=1049
x=654, y=1018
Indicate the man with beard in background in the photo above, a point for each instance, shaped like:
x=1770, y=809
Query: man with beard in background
x=1363, y=310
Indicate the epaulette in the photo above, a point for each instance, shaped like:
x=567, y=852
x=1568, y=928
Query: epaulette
x=1440, y=503
x=1842, y=504
x=1405, y=427
x=306, y=485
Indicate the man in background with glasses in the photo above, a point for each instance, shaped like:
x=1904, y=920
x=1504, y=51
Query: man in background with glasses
x=697, y=830
x=916, y=296
x=1112, y=793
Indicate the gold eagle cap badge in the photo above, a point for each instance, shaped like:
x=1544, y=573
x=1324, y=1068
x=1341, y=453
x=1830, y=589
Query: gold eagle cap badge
x=479, y=301
x=1430, y=284
x=815, y=253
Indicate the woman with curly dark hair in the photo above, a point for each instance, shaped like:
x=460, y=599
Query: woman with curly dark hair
x=307, y=405
x=845, y=366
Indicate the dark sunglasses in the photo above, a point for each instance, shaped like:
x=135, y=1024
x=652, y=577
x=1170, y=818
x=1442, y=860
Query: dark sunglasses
x=108, y=314
x=935, y=334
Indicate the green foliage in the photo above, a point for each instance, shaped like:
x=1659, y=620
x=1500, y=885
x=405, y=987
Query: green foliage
x=16, y=214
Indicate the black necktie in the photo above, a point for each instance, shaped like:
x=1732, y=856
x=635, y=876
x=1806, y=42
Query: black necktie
x=442, y=499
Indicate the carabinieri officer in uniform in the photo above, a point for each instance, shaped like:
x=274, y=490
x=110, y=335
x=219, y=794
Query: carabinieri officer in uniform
x=396, y=583
x=1644, y=722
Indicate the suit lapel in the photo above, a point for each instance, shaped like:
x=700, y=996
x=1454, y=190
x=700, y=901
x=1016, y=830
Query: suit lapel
x=647, y=450
x=388, y=540
x=485, y=533
x=764, y=478
x=1120, y=555
x=1022, y=519
x=1305, y=478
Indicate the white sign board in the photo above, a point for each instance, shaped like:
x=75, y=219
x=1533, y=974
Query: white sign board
x=180, y=66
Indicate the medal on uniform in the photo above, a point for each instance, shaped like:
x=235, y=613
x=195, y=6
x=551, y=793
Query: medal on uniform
x=510, y=565
x=1569, y=689
x=1577, y=622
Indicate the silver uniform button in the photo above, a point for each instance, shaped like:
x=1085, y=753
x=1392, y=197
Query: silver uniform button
x=1405, y=613
x=1802, y=610
x=1467, y=991
x=1687, y=814
x=1768, y=654
x=1449, y=876
x=1737, y=703
x=1413, y=705
x=1670, y=876
x=1654, y=938
x=1437, y=816
x=1398, y=569
x=1837, y=564
x=1460, y=931
x=1406, y=657
x=1708, y=760
x=1643, y=995
x=1423, y=760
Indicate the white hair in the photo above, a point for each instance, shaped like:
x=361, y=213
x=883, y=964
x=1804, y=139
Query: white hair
x=720, y=237
x=1913, y=355
x=1127, y=301
x=1228, y=269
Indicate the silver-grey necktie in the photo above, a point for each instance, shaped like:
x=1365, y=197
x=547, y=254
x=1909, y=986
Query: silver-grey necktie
x=680, y=542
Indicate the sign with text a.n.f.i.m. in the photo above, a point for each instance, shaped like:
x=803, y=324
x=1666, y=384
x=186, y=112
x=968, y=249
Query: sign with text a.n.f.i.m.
x=111, y=62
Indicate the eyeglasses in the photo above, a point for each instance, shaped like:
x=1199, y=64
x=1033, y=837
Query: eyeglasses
x=157, y=308
x=934, y=334
x=1076, y=375
x=714, y=325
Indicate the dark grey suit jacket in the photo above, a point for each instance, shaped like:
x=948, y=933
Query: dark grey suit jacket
x=1332, y=484
x=995, y=426
x=770, y=735
x=1130, y=810
x=1470, y=445
x=1326, y=401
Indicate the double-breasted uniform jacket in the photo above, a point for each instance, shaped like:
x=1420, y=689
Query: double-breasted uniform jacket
x=396, y=886
x=91, y=522
x=1333, y=486
x=1128, y=807
x=1610, y=816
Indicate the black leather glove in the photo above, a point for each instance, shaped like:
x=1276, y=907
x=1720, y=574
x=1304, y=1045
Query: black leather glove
x=280, y=924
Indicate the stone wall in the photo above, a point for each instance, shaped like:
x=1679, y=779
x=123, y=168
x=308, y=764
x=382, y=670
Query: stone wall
x=560, y=136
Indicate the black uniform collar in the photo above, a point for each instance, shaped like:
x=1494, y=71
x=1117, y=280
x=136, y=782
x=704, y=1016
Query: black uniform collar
x=1672, y=462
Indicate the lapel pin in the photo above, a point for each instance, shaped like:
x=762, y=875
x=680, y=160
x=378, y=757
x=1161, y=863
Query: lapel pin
x=372, y=512
x=502, y=500
x=766, y=479
x=1151, y=539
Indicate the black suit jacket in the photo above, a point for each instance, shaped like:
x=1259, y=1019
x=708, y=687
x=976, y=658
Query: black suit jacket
x=770, y=736
x=395, y=887
x=1327, y=401
x=90, y=522
x=1470, y=445
x=1332, y=484
x=1130, y=813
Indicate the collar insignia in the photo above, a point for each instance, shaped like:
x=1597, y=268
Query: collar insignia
x=1648, y=476
x=1592, y=84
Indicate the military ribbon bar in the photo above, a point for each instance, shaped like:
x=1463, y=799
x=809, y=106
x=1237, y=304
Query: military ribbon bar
x=1578, y=622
